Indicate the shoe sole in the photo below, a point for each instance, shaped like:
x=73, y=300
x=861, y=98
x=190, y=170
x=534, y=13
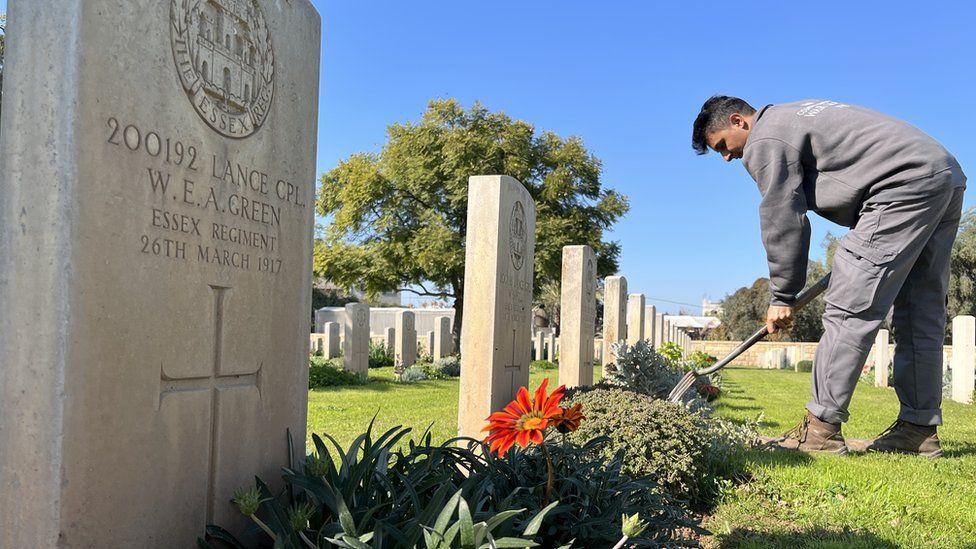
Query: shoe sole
x=770, y=443
x=935, y=454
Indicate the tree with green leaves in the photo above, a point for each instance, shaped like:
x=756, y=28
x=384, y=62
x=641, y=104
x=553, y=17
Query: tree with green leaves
x=962, y=268
x=399, y=216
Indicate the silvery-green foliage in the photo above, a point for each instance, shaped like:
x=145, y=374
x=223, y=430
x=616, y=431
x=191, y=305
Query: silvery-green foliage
x=640, y=368
x=413, y=373
x=449, y=366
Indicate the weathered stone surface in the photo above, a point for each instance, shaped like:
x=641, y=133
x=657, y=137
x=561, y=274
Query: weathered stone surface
x=443, y=341
x=659, y=330
x=650, y=317
x=882, y=358
x=577, y=315
x=498, y=258
x=635, y=318
x=405, y=346
x=355, y=339
x=430, y=343
x=164, y=263
x=614, y=315
x=331, y=340
x=551, y=348
x=963, y=358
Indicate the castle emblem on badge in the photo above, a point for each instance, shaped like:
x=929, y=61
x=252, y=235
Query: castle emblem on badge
x=223, y=54
x=517, y=237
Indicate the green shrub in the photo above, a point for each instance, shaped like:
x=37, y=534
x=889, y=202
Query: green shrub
x=383, y=496
x=686, y=453
x=539, y=365
x=698, y=360
x=449, y=366
x=672, y=353
x=380, y=356
x=329, y=373
x=413, y=373
x=639, y=368
x=804, y=366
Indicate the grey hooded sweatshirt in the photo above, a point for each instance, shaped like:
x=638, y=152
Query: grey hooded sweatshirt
x=830, y=158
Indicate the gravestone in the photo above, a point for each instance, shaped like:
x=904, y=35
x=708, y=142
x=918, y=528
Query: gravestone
x=405, y=347
x=963, y=358
x=540, y=346
x=155, y=226
x=355, y=339
x=443, y=342
x=498, y=258
x=635, y=318
x=650, y=317
x=577, y=315
x=551, y=348
x=658, y=330
x=882, y=359
x=389, y=338
x=331, y=339
x=430, y=343
x=614, y=315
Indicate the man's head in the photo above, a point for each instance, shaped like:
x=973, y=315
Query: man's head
x=723, y=125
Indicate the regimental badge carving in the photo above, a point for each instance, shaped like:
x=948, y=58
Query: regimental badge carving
x=361, y=317
x=590, y=275
x=226, y=65
x=517, y=237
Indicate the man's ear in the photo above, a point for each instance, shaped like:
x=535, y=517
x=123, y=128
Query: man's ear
x=736, y=120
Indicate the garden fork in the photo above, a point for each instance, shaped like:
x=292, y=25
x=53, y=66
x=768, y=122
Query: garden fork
x=804, y=297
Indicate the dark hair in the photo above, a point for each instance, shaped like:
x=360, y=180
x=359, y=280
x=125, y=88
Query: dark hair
x=714, y=116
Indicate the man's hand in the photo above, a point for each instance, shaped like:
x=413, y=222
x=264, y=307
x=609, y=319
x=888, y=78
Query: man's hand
x=777, y=317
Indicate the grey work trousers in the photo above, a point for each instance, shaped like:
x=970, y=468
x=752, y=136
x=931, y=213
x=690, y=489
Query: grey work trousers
x=897, y=255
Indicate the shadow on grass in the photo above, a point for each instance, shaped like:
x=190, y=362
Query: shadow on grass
x=954, y=450
x=777, y=458
x=727, y=406
x=815, y=538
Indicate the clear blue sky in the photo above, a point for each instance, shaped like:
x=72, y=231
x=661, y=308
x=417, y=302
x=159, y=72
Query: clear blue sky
x=629, y=78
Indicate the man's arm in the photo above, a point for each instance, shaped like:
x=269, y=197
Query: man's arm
x=776, y=167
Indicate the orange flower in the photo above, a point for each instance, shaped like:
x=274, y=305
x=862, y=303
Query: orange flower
x=568, y=419
x=523, y=421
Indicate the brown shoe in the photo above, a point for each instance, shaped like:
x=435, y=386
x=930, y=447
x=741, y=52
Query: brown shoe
x=812, y=435
x=907, y=438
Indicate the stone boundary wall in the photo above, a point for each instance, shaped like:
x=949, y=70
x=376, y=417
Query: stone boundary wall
x=719, y=349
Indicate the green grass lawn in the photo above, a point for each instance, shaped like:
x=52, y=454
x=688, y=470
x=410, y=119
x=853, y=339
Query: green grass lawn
x=344, y=412
x=790, y=500
x=861, y=500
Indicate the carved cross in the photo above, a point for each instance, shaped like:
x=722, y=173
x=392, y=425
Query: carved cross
x=514, y=367
x=213, y=384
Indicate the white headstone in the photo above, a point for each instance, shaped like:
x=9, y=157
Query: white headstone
x=650, y=317
x=155, y=234
x=551, y=348
x=963, y=358
x=881, y=359
x=331, y=340
x=405, y=346
x=577, y=314
x=389, y=338
x=498, y=258
x=443, y=342
x=635, y=318
x=540, y=346
x=658, y=330
x=355, y=327
x=614, y=315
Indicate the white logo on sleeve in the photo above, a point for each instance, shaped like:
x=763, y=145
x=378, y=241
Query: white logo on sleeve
x=813, y=109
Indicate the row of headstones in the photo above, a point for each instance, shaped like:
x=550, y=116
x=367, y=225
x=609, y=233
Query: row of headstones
x=777, y=359
x=402, y=339
x=962, y=363
x=496, y=338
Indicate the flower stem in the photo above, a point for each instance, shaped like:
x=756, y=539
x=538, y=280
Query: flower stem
x=307, y=541
x=621, y=543
x=264, y=527
x=545, y=450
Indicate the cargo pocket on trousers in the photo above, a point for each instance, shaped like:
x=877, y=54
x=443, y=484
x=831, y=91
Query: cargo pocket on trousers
x=857, y=272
